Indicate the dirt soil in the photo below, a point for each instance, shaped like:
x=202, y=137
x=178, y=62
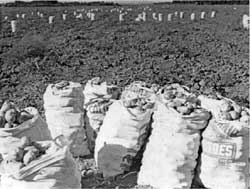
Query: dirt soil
x=210, y=55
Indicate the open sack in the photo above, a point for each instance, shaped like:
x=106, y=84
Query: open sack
x=169, y=160
x=22, y=122
x=53, y=168
x=63, y=104
x=225, y=145
x=124, y=130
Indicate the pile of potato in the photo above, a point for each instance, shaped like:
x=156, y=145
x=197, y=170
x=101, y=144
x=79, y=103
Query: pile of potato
x=61, y=84
x=179, y=98
x=230, y=111
x=99, y=106
x=20, y=152
x=11, y=116
x=105, y=89
x=103, y=95
x=139, y=95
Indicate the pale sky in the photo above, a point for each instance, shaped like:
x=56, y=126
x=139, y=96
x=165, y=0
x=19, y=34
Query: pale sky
x=121, y=1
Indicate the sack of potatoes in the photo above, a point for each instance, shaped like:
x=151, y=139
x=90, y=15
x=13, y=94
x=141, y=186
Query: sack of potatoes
x=179, y=98
x=11, y=116
x=40, y=164
x=97, y=90
x=124, y=130
x=65, y=89
x=225, y=144
x=175, y=137
x=99, y=95
x=139, y=95
x=22, y=122
x=227, y=111
x=20, y=152
x=65, y=96
x=184, y=105
x=230, y=111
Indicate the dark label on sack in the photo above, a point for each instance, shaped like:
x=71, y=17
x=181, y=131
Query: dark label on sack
x=222, y=150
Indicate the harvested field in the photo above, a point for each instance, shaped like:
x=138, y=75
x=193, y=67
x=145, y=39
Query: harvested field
x=209, y=55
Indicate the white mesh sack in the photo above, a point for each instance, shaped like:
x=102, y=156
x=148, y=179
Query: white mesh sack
x=124, y=130
x=225, y=145
x=63, y=104
x=170, y=157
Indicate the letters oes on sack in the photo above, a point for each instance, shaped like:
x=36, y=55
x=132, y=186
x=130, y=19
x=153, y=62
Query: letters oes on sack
x=219, y=150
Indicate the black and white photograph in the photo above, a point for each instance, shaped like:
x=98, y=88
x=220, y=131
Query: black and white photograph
x=124, y=94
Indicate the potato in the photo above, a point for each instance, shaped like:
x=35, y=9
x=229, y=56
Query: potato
x=2, y=121
x=180, y=95
x=245, y=118
x=24, y=141
x=155, y=87
x=28, y=157
x=184, y=110
x=7, y=105
x=190, y=105
x=179, y=102
x=24, y=116
x=31, y=110
x=11, y=115
x=234, y=115
x=169, y=87
x=32, y=148
x=192, y=99
x=14, y=154
x=169, y=95
x=244, y=113
x=61, y=84
x=8, y=125
x=237, y=108
x=225, y=106
x=226, y=116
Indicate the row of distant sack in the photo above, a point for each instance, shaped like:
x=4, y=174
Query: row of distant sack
x=141, y=17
